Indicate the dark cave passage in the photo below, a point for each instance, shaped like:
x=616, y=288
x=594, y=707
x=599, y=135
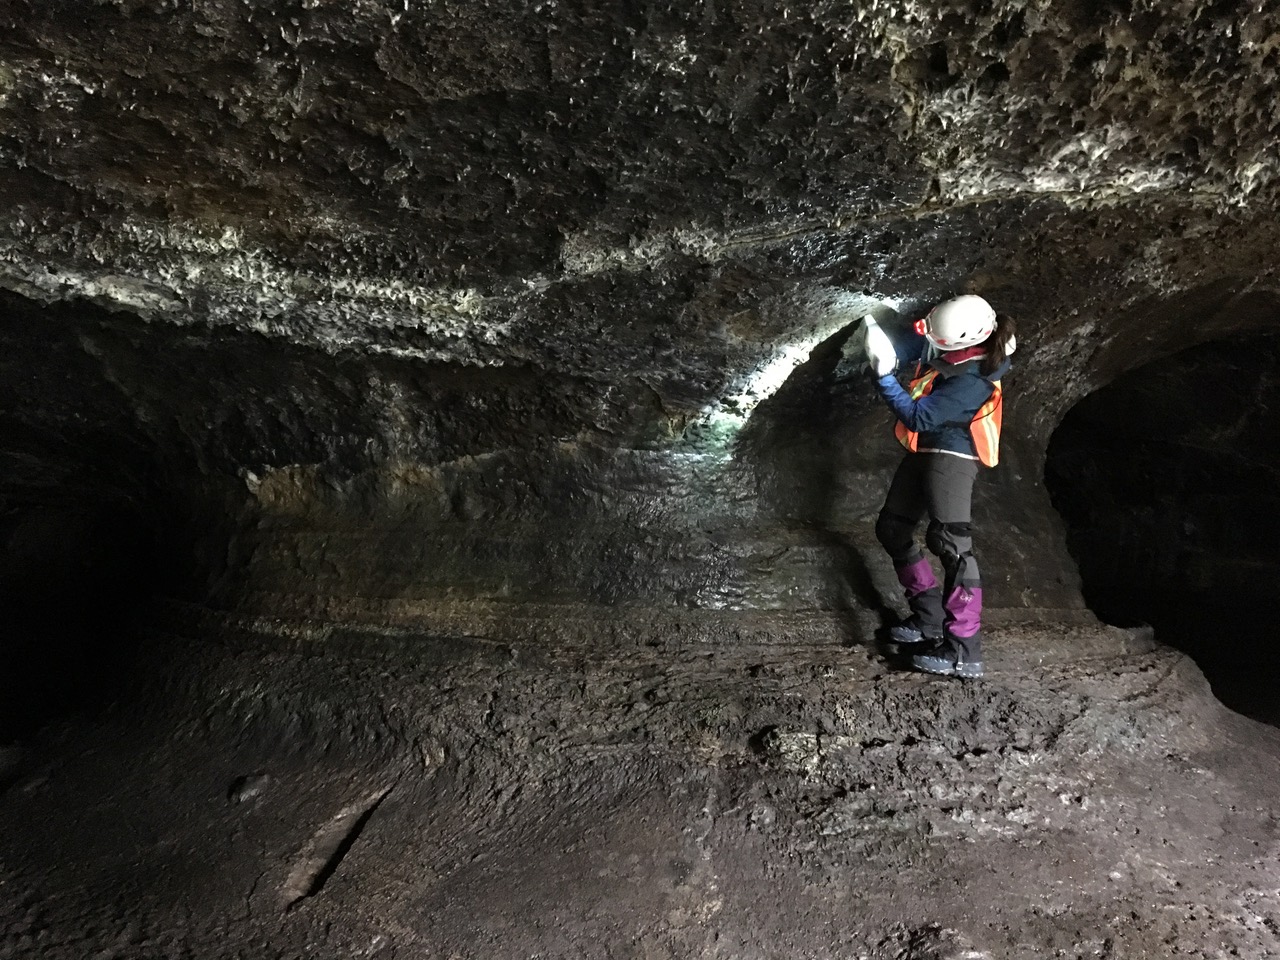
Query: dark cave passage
x=1168, y=480
x=74, y=577
x=99, y=516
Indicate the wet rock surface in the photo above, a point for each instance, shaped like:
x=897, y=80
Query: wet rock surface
x=436, y=512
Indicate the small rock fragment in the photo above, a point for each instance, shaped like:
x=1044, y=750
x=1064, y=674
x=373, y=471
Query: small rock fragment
x=248, y=787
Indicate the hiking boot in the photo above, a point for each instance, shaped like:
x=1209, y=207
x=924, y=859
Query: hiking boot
x=950, y=658
x=908, y=634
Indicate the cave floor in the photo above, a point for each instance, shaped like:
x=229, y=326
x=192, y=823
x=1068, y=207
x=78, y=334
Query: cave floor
x=267, y=790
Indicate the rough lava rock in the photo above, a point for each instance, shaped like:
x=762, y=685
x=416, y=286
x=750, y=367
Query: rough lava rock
x=443, y=402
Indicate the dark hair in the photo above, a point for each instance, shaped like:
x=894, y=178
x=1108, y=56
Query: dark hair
x=997, y=344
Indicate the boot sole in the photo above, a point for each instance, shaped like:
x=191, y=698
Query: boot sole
x=945, y=668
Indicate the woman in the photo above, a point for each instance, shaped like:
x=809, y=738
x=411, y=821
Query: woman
x=949, y=421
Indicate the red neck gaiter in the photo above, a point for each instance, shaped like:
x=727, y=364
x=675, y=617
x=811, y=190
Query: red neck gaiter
x=960, y=356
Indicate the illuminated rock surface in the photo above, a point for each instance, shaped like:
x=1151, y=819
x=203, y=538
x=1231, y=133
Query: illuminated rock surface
x=437, y=518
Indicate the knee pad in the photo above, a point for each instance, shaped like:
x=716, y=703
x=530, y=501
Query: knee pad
x=894, y=532
x=949, y=541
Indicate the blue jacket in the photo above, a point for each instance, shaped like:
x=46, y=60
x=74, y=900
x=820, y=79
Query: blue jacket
x=942, y=416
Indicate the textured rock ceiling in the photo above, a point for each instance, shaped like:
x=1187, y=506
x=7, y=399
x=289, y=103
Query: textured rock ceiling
x=253, y=240
x=660, y=193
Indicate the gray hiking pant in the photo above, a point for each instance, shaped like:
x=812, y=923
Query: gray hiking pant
x=940, y=487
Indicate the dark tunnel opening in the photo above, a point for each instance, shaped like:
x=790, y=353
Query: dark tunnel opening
x=97, y=521
x=1168, y=480
x=75, y=576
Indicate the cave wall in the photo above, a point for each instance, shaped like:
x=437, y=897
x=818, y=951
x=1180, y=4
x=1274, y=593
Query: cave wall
x=391, y=306
x=284, y=502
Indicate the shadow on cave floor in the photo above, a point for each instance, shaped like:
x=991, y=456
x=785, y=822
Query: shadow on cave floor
x=1171, y=498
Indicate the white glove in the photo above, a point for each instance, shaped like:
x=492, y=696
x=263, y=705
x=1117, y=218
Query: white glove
x=879, y=347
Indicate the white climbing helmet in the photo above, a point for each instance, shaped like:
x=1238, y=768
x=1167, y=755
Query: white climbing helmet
x=958, y=323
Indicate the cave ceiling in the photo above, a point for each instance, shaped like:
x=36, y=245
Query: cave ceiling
x=648, y=203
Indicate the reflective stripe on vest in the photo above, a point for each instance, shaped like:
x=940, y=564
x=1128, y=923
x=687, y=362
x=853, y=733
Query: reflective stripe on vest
x=984, y=428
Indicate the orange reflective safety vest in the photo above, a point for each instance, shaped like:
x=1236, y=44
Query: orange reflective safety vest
x=984, y=428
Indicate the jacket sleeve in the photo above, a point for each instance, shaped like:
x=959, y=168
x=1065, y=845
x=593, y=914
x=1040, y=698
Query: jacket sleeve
x=952, y=401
